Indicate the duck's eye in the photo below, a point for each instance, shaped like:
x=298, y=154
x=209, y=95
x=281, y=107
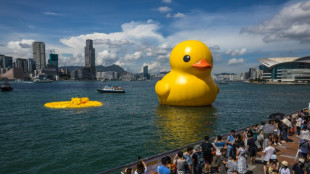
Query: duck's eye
x=186, y=58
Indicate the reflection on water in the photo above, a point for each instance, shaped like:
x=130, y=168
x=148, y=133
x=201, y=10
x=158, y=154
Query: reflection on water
x=178, y=126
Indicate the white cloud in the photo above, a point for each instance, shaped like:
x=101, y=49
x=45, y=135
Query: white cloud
x=137, y=30
x=177, y=15
x=135, y=44
x=235, y=61
x=135, y=56
x=159, y=51
x=111, y=43
x=291, y=23
x=139, y=43
x=18, y=45
x=155, y=67
x=49, y=13
x=164, y=9
x=105, y=57
x=167, y=1
x=21, y=48
x=216, y=54
x=166, y=56
x=236, y=52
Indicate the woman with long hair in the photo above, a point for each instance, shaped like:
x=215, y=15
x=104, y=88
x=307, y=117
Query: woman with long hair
x=241, y=166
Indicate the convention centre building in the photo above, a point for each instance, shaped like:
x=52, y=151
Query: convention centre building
x=286, y=69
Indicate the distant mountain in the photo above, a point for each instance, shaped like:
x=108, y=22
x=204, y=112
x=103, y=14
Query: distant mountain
x=225, y=74
x=110, y=68
x=98, y=68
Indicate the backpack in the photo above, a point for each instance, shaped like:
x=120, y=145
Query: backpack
x=200, y=159
x=206, y=149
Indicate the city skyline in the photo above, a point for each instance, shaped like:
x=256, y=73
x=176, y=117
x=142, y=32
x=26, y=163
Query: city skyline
x=135, y=34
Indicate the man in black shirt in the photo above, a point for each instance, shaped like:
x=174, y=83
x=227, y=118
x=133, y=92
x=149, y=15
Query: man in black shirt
x=207, y=149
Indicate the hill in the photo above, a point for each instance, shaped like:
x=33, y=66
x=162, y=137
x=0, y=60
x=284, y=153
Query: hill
x=98, y=68
x=110, y=68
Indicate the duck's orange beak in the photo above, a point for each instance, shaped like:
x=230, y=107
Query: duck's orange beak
x=202, y=64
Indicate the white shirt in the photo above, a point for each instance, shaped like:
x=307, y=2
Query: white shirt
x=299, y=120
x=268, y=152
x=284, y=171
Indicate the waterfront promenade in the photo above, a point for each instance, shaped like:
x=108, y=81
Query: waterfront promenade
x=286, y=151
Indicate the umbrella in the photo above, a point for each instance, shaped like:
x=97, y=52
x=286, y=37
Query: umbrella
x=287, y=122
x=276, y=116
x=269, y=128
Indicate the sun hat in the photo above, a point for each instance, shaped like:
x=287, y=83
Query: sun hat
x=301, y=160
x=285, y=163
x=273, y=157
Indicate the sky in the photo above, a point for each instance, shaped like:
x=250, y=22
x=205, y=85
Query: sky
x=136, y=33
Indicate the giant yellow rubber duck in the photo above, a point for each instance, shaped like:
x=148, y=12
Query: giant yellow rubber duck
x=189, y=83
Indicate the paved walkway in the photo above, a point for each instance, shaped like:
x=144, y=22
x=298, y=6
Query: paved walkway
x=285, y=152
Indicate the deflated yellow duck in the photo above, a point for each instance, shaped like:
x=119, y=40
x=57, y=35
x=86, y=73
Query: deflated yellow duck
x=76, y=102
x=189, y=83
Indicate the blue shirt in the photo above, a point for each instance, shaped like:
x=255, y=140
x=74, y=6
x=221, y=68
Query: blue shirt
x=163, y=170
x=230, y=139
x=303, y=146
x=188, y=159
x=219, y=144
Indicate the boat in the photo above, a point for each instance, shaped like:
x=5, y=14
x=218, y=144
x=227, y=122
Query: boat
x=41, y=78
x=223, y=82
x=111, y=89
x=5, y=86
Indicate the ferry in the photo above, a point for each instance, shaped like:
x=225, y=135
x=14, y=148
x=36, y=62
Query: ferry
x=5, y=86
x=42, y=78
x=111, y=89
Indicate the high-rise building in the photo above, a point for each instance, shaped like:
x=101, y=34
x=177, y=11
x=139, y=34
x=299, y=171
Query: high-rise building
x=53, y=60
x=31, y=65
x=90, y=58
x=146, y=72
x=8, y=62
x=1, y=60
x=39, y=54
x=252, y=73
x=22, y=63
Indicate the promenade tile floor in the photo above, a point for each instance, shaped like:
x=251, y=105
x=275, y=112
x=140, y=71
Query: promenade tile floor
x=285, y=152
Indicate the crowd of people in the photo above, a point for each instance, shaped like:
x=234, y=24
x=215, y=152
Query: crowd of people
x=237, y=151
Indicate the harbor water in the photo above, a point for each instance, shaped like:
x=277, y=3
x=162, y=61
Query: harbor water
x=35, y=139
